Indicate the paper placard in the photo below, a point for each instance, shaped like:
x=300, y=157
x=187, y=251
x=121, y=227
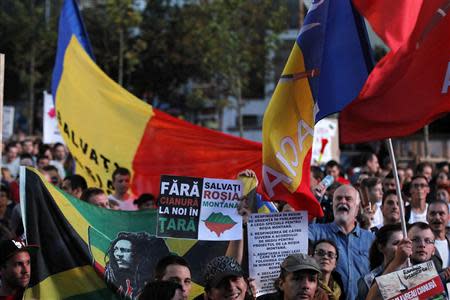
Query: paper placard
x=417, y=282
x=51, y=133
x=199, y=208
x=8, y=121
x=179, y=207
x=219, y=218
x=271, y=238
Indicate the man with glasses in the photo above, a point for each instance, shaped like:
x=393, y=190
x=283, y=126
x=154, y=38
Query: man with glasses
x=419, y=247
x=417, y=211
x=422, y=240
x=352, y=241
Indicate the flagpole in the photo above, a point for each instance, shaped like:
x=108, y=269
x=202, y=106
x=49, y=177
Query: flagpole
x=426, y=139
x=398, y=189
x=2, y=80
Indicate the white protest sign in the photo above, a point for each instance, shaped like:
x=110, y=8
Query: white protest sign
x=271, y=238
x=219, y=218
x=325, y=134
x=418, y=282
x=51, y=132
x=8, y=121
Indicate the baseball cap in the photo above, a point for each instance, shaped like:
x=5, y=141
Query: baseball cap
x=300, y=261
x=10, y=247
x=221, y=267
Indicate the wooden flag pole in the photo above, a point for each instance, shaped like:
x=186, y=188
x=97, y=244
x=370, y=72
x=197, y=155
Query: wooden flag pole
x=2, y=80
x=398, y=189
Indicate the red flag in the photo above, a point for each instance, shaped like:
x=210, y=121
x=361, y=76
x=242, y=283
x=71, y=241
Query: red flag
x=393, y=21
x=409, y=87
x=173, y=146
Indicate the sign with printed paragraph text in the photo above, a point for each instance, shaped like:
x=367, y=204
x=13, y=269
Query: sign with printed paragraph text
x=271, y=238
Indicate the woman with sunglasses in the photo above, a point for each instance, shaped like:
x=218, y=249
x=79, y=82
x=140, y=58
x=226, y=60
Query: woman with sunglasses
x=326, y=254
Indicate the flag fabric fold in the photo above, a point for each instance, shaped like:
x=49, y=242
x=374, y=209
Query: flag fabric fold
x=393, y=21
x=409, y=87
x=77, y=240
x=104, y=126
x=326, y=69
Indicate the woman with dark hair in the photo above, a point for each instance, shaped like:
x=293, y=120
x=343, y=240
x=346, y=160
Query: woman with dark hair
x=326, y=254
x=381, y=254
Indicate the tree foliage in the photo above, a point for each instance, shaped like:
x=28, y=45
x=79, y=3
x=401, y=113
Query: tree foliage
x=29, y=44
x=113, y=28
x=183, y=54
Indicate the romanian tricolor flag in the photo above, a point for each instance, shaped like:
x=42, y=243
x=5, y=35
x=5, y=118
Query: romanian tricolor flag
x=105, y=126
x=82, y=254
x=325, y=70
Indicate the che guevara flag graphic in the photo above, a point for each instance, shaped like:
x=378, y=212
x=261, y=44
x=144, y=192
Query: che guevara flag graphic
x=410, y=86
x=327, y=67
x=88, y=252
x=105, y=126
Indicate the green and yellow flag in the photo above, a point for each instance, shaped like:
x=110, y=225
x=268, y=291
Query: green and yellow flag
x=88, y=252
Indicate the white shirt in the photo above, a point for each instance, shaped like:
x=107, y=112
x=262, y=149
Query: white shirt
x=377, y=216
x=442, y=248
x=124, y=204
x=12, y=166
x=418, y=217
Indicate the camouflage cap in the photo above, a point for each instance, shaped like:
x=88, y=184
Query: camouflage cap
x=220, y=268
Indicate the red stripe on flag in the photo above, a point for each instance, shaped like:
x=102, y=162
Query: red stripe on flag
x=175, y=147
x=302, y=198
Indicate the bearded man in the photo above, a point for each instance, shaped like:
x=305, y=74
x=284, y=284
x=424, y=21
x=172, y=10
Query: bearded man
x=353, y=242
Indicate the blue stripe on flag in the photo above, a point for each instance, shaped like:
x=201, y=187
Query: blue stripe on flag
x=70, y=23
x=334, y=40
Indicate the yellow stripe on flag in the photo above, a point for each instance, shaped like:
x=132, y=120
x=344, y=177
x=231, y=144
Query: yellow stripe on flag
x=101, y=122
x=81, y=225
x=73, y=216
x=180, y=247
x=288, y=122
x=195, y=290
x=66, y=284
x=98, y=255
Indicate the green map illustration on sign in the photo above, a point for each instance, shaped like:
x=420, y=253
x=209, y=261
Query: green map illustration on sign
x=219, y=223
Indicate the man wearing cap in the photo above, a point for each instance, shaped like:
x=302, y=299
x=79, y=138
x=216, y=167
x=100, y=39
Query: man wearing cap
x=298, y=279
x=15, y=265
x=225, y=279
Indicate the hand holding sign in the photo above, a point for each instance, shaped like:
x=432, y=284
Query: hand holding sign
x=244, y=210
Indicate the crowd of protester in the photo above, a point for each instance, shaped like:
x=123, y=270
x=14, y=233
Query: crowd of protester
x=358, y=238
